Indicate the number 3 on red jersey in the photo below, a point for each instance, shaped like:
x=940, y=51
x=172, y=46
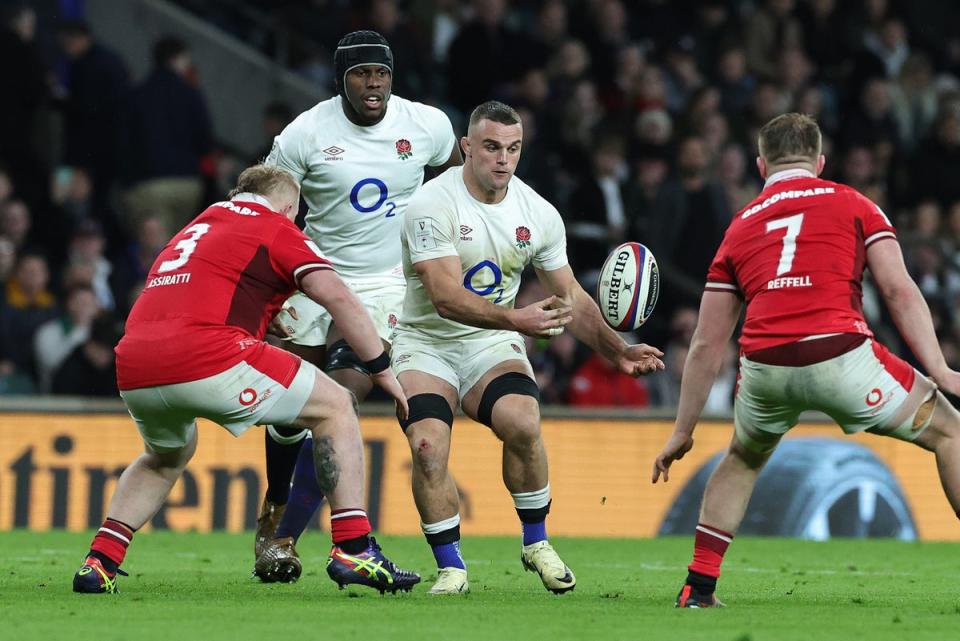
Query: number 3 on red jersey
x=186, y=248
x=792, y=225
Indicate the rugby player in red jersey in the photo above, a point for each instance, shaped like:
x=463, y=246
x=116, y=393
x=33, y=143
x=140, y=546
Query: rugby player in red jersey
x=795, y=256
x=194, y=347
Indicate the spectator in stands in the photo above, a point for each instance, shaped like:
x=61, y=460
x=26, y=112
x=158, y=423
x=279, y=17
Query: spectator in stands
x=169, y=131
x=914, y=100
x=87, y=246
x=596, y=220
x=25, y=93
x=936, y=165
x=8, y=259
x=90, y=369
x=549, y=31
x=56, y=338
x=598, y=383
x=481, y=56
x=736, y=84
x=6, y=185
x=27, y=304
x=97, y=90
x=691, y=217
x=740, y=187
x=276, y=115
x=889, y=45
x=410, y=56
x=770, y=29
x=872, y=124
x=16, y=222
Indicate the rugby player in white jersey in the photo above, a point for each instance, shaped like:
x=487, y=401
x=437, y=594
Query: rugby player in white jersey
x=467, y=237
x=358, y=158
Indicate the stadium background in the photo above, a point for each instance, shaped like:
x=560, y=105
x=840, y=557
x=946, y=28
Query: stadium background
x=640, y=119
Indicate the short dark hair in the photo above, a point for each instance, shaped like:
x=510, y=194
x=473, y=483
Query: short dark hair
x=790, y=137
x=495, y=111
x=166, y=49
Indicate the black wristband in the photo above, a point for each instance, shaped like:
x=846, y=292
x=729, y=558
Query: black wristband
x=378, y=364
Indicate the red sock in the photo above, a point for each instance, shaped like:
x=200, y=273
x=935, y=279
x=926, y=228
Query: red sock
x=708, y=548
x=351, y=523
x=112, y=540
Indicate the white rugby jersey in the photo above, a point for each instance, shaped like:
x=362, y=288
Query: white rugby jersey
x=494, y=243
x=357, y=180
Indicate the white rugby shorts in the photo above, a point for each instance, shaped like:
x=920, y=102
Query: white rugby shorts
x=237, y=399
x=382, y=296
x=862, y=390
x=463, y=362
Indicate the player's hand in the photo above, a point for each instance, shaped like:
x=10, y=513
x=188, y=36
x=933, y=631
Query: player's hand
x=388, y=381
x=280, y=326
x=544, y=318
x=674, y=450
x=948, y=381
x=640, y=359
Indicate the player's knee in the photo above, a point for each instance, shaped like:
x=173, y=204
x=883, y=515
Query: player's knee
x=511, y=383
x=429, y=456
x=427, y=406
x=523, y=432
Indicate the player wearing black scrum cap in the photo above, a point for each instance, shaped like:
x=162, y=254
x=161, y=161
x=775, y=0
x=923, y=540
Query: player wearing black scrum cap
x=358, y=158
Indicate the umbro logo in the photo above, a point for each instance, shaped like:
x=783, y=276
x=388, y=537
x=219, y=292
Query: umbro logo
x=465, y=232
x=333, y=152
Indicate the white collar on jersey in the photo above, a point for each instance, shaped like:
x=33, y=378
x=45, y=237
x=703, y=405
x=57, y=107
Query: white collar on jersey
x=247, y=197
x=787, y=174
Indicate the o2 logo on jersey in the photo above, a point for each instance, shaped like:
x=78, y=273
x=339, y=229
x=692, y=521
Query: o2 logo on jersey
x=874, y=397
x=481, y=272
x=369, y=195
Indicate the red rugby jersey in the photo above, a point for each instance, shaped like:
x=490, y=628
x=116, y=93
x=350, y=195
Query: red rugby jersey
x=796, y=254
x=211, y=294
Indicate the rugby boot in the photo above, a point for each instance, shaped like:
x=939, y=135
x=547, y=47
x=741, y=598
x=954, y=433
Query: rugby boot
x=540, y=557
x=689, y=597
x=370, y=568
x=93, y=578
x=450, y=581
x=278, y=562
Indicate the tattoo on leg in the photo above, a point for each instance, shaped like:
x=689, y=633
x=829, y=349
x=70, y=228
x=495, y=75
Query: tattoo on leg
x=327, y=470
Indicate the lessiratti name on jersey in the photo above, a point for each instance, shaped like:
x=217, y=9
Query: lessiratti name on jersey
x=173, y=279
x=785, y=195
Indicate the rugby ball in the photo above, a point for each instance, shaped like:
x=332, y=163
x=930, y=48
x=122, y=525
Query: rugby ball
x=628, y=287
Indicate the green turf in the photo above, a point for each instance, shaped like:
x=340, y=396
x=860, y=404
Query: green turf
x=192, y=586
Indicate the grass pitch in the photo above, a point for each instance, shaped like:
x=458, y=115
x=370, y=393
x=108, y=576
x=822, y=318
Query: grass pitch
x=197, y=586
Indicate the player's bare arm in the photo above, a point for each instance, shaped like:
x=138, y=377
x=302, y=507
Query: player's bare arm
x=719, y=313
x=909, y=311
x=588, y=325
x=326, y=288
x=442, y=279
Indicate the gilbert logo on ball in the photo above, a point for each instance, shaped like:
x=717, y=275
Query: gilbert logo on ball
x=628, y=287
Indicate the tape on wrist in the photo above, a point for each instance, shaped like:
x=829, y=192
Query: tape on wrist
x=378, y=364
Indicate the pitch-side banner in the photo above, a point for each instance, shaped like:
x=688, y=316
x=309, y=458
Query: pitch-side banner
x=58, y=471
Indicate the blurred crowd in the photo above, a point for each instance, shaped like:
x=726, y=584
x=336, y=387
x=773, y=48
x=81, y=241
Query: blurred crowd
x=640, y=119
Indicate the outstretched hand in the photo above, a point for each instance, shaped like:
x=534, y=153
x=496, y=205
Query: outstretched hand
x=674, y=450
x=637, y=360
